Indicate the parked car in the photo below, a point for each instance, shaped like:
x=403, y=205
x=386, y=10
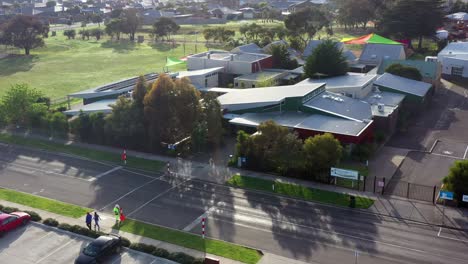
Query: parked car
x=12, y=221
x=100, y=249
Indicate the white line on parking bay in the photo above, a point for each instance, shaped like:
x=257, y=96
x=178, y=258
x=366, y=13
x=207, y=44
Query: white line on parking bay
x=466, y=151
x=54, y=251
x=32, y=169
x=120, y=258
x=105, y=173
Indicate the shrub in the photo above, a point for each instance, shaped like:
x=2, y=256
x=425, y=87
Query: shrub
x=143, y=247
x=1, y=207
x=199, y=261
x=64, y=226
x=181, y=258
x=160, y=252
x=50, y=222
x=34, y=216
x=125, y=242
x=9, y=210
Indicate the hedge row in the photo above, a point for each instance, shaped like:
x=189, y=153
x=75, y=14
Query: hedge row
x=34, y=216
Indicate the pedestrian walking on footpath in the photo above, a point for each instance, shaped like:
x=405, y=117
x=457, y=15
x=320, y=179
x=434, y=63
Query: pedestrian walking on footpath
x=122, y=216
x=117, y=214
x=96, y=221
x=89, y=220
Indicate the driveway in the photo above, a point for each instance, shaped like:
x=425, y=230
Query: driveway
x=37, y=243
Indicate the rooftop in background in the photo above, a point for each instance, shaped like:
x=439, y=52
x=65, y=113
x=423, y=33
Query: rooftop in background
x=385, y=98
x=455, y=48
x=258, y=97
x=427, y=68
x=373, y=54
x=248, y=48
x=341, y=106
x=182, y=74
x=458, y=16
x=102, y=106
x=114, y=88
x=228, y=56
x=350, y=80
x=321, y=123
x=404, y=85
x=260, y=76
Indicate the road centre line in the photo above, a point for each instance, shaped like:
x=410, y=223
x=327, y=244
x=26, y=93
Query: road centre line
x=127, y=194
x=156, y=197
x=9, y=164
x=54, y=251
x=105, y=173
x=198, y=219
x=466, y=151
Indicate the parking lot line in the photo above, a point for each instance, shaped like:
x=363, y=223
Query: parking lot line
x=105, y=173
x=120, y=258
x=130, y=192
x=156, y=197
x=141, y=174
x=443, y=155
x=54, y=251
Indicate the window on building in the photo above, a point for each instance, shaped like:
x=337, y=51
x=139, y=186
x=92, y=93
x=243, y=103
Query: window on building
x=458, y=71
x=206, y=82
x=236, y=84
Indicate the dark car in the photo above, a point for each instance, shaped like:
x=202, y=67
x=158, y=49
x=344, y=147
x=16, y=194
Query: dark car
x=12, y=221
x=100, y=249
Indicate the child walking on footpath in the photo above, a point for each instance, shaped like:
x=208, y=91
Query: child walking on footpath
x=96, y=221
x=89, y=219
x=117, y=214
x=122, y=216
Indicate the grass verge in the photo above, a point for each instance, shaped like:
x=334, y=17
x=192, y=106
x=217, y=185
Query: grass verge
x=45, y=204
x=297, y=191
x=133, y=162
x=216, y=247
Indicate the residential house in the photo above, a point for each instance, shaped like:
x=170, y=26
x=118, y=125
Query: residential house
x=373, y=54
x=454, y=60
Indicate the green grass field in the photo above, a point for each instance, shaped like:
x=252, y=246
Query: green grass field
x=45, y=204
x=216, y=247
x=298, y=191
x=66, y=66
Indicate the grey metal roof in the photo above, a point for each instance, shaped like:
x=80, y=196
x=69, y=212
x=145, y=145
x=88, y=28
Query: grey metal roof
x=248, y=48
x=240, y=99
x=386, y=98
x=404, y=85
x=341, y=106
x=102, y=106
x=454, y=48
x=118, y=87
x=312, y=45
x=314, y=122
x=350, y=80
x=373, y=54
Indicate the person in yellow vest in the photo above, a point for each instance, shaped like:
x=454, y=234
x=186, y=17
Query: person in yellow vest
x=117, y=214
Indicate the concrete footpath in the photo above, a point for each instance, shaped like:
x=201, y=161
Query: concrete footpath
x=397, y=207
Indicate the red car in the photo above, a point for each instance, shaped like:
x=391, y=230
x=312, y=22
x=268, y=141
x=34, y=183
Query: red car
x=11, y=221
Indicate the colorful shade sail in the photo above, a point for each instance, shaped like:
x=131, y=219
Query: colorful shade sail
x=370, y=39
x=170, y=61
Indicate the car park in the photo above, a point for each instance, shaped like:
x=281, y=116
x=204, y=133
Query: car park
x=9, y=222
x=100, y=249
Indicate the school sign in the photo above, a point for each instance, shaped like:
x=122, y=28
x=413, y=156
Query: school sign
x=342, y=173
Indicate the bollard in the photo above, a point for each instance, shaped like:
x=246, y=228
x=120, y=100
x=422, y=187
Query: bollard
x=203, y=228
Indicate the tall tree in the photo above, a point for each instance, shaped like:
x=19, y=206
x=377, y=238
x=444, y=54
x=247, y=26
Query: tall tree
x=306, y=22
x=326, y=59
x=22, y=104
x=322, y=152
x=165, y=27
x=356, y=12
x=24, y=32
x=457, y=179
x=214, y=119
x=140, y=91
x=130, y=22
x=113, y=28
x=282, y=58
x=413, y=19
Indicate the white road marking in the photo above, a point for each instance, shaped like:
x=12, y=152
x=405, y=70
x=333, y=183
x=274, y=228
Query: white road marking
x=127, y=194
x=141, y=174
x=198, y=220
x=447, y=156
x=31, y=170
x=54, y=251
x=154, y=261
x=105, y=173
x=450, y=238
x=466, y=152
x=3, y=144
x=156, y=197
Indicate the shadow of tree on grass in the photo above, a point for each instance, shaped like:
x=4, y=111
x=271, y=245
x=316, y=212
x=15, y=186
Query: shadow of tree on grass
x=119, y=46
x=17, y=63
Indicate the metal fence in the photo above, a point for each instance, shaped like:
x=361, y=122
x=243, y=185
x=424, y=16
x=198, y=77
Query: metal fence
x=402, y=188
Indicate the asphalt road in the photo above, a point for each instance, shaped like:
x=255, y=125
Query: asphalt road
x=286, y=227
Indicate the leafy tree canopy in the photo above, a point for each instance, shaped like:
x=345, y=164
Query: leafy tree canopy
x=457, y=179
x=326, y=59
x=404, y=71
